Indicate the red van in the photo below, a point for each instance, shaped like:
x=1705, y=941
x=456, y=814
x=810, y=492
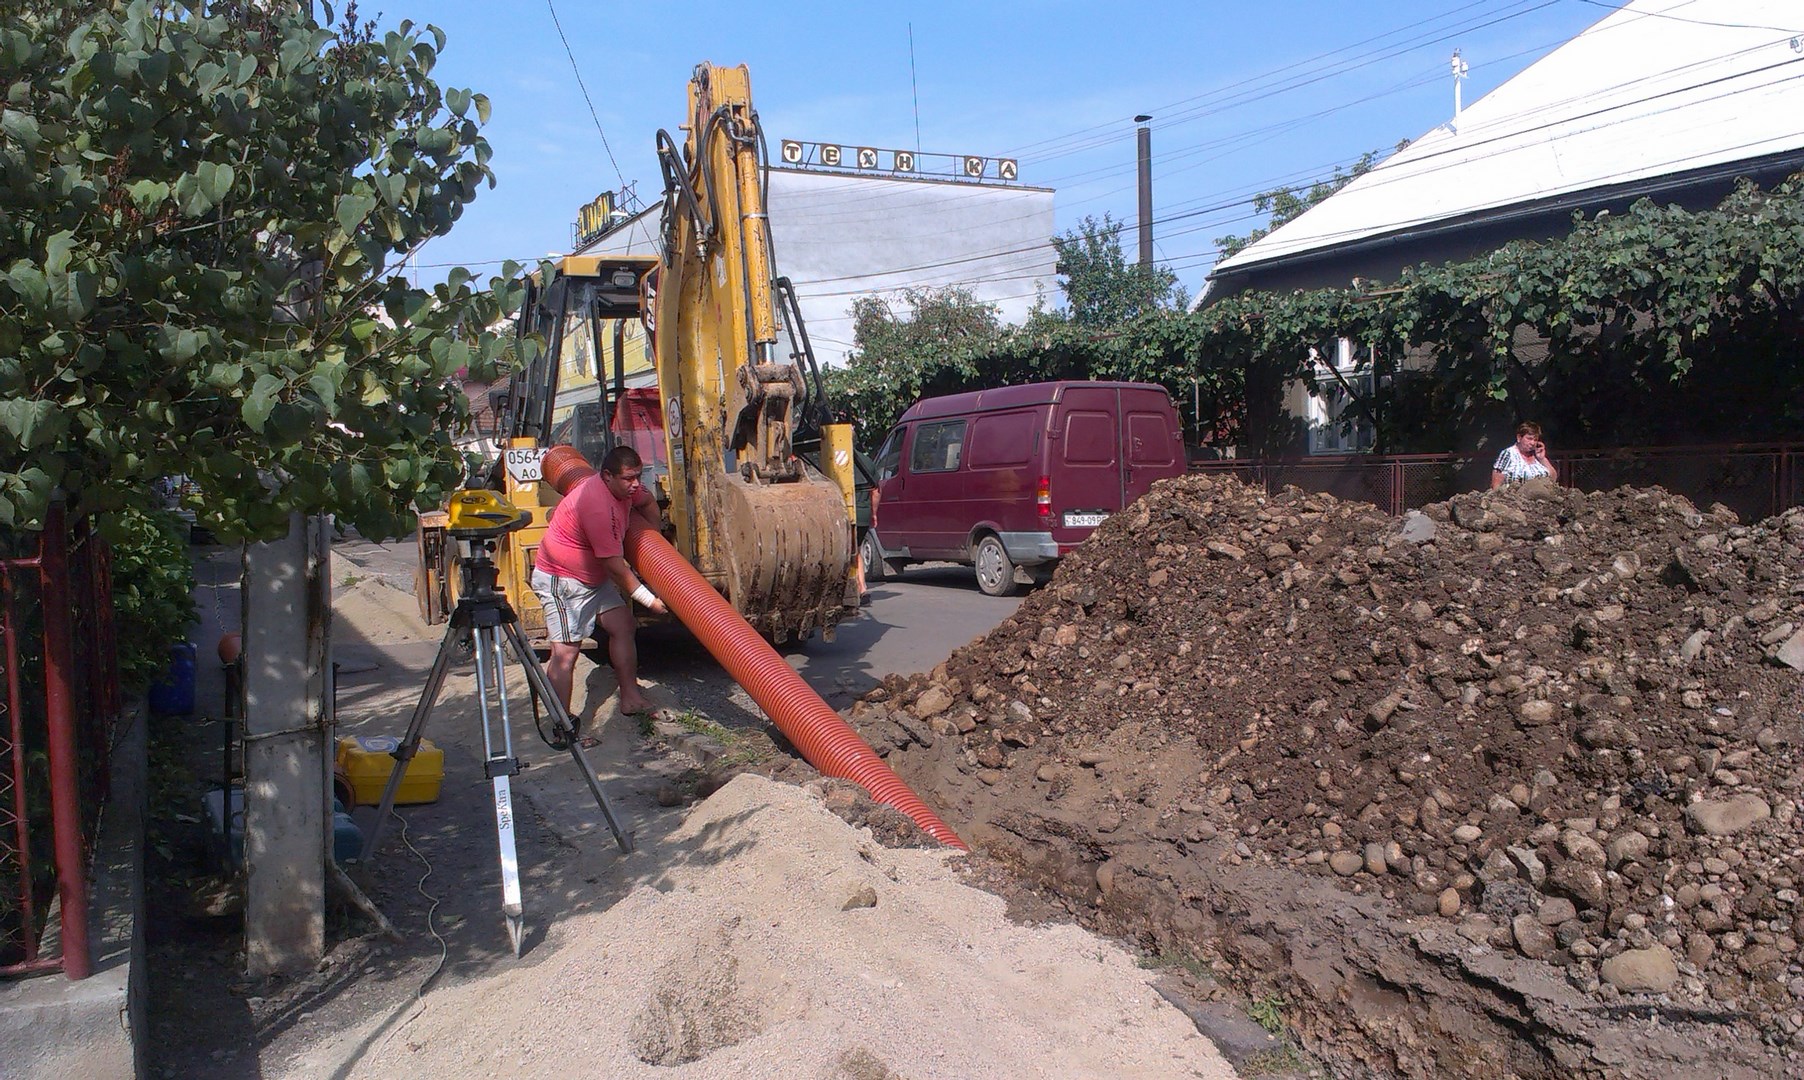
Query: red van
x=1015, y=477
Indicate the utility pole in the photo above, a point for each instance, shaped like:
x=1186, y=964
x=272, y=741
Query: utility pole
x=1144, y=136
x=287, y=758
x=1459, y=76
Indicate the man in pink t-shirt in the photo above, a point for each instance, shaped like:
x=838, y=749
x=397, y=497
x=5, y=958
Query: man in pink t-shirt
x=581, y=573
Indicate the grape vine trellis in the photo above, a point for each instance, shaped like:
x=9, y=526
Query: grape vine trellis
x=1658, y=324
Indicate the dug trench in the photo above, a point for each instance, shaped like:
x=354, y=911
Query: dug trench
x=1506, y=788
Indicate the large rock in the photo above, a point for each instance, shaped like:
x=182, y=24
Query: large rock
x=1417, y=528
x=1582, y=882
x=1533, y=940
x=1726, y=817
x=932, y=702
x=1791, y=654
x=1641, y=971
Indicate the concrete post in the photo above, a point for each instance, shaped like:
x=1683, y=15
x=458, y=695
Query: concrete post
x=1143, y=137
x=287, y=750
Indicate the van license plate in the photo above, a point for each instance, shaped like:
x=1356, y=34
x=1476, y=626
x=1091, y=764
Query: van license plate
x=1074, y=520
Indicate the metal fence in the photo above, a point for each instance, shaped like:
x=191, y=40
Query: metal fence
x=1756, y=480
x=59, y=703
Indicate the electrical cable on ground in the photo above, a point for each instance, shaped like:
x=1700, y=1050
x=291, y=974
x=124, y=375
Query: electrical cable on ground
x=432, y=910
x=393, y=1022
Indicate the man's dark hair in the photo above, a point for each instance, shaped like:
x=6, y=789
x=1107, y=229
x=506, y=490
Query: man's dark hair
x=620, y=458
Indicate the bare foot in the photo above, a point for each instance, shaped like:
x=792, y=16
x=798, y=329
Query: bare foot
x=636, y=705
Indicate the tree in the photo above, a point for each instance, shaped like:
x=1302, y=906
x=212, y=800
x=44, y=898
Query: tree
x=899, y=357
x=1101, y=287
x=204, y=206
x=1285, y=203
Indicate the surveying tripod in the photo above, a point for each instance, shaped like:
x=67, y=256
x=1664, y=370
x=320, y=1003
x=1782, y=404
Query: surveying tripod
x=477, y=518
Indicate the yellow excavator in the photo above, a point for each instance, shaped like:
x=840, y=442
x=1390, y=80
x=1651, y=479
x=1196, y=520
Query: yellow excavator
x=737, y=393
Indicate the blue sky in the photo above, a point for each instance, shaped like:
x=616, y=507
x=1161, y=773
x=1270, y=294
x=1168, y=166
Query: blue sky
x=1245, y=96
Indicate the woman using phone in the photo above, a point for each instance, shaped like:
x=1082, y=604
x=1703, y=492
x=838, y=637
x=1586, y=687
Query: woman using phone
x=1525, y=459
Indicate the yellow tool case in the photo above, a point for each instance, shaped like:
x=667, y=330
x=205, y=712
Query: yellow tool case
x=367, y=760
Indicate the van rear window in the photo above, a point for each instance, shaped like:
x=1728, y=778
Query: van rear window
x=937, y=447
x=1089, y=438
x=1003, y=439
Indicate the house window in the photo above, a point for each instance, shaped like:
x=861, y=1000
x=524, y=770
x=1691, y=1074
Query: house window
x=1337, y=425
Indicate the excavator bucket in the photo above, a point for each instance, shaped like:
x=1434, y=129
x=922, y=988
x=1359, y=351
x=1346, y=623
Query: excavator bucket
x=788, y=550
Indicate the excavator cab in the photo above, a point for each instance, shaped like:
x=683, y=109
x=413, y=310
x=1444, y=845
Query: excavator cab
x=571, y=391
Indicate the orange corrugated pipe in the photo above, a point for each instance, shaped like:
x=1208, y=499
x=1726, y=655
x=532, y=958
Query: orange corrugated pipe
x=824, y=739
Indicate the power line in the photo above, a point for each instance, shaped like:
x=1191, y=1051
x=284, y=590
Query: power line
x=1113, y=126
x=1242, y=198
x=593, y=115
x=1695, y=22
x=1252, y=95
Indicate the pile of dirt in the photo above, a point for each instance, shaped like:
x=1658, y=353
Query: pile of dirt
x=1523, y=769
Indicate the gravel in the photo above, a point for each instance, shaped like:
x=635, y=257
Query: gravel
x=1580, y=702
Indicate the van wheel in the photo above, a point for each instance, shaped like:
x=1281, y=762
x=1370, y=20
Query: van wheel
x=995, y=570
x=875, y=569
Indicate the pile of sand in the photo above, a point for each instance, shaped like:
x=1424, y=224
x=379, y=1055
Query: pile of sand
x=371, y=611
x=776, y=940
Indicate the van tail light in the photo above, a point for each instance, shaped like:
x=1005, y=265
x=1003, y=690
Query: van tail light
x=1043, y=499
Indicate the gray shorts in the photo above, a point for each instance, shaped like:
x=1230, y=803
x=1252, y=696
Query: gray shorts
x=571, y=607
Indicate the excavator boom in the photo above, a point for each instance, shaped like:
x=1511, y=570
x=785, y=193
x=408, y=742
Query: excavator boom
x=769, y=531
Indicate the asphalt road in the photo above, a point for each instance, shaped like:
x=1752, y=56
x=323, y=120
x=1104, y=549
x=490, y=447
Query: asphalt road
x=911, y=623
x=908, y=625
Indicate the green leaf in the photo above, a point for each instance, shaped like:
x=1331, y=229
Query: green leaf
x=191, y=197
x=57, y=252
x=179, y=345
x=215, y=180
x=353, y=210
x=30, y=285
x=225, y=376
x=21, y=128
x=261, y=401
x=73, y=294
x=148, y=195
x=482, y=107
x=393, y=187
x=325, y=381
x=458, y=101
x=33, y=423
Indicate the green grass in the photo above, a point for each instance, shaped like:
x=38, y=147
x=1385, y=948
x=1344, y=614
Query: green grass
x=701, y=725
x=1268, y=1013
x=1287, y=1060
x=739, y=749
x=1163, y=960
